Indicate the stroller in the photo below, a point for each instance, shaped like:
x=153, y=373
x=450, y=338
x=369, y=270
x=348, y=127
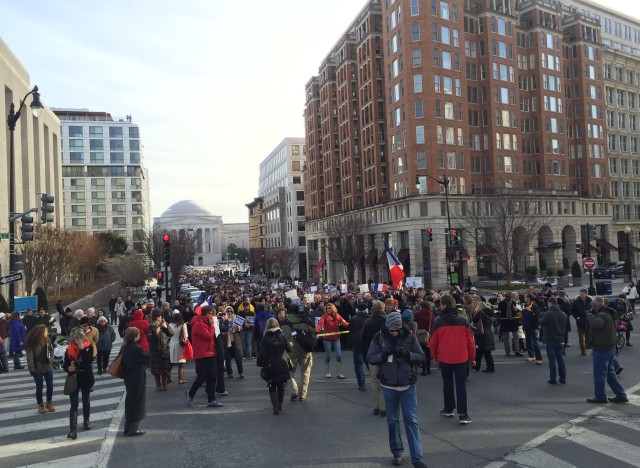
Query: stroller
x=59, y=349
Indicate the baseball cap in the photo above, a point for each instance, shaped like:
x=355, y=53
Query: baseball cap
x=473, y=289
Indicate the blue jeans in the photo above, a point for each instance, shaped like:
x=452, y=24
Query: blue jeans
x=459, y=372
x=554, y=354
x=328, y=346
x=408, y=401
x=603, y=371
x=531, y=342
x=358, y=365
x=40, y=379
x=247, y=338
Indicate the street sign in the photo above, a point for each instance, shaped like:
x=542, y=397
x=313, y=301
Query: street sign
x=589, y=263
x=11, y=278
x=4, y=235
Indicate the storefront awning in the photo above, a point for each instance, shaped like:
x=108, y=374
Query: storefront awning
x=606, y=245
x=486, y=251
x=382, y=261
x=372, y=256
x=623, y=248
x=584, y=246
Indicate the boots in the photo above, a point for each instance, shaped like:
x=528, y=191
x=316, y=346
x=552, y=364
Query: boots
x=280, y=398
x=50, y=406
x=158, y=383
x=327, y=370
x=86, y=414
x=181, y=379
x=41, y=409
x=339, y=371
x=163, y=379
x=134, y=431
x=274, y=402
x=73, y=424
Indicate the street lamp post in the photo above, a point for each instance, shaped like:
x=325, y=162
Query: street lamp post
x=444, y=181
x=12, y=120
x=627, y=231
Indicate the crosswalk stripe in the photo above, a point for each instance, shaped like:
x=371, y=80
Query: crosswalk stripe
x=49, y=443
x=50, y=424
x=65, y=407
x=80, y=461
x=28, y=378
x=619, y=419
x=31, y=401
x=57, y=390
x=606, y=445
x=536, y=458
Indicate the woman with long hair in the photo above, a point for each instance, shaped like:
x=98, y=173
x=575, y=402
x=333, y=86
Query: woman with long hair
x=40, y=363
x=134, y=367
x=78, y=360
x=180, y=333
x=272, y=359
x=329, y=325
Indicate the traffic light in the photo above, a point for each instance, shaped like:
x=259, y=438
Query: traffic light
x=166, y=250
x=430, y=234
x=455, y=237
x=46, y=207
x=160, y=278
x=27, y=228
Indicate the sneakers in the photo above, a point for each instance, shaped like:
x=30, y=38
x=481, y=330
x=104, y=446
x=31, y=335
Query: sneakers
x=618, y=399
x=596, y=400
x=328, y=375
x=383, y=413
x=241, y=376
x=376, y=412
x=518, y=354
x=340, y=376
x=225, y=393
x=361, y=388
x=552, y=381
x=397, y=460
x=563, y=381
x=215, y=404
x=539, y=362
x=189, y=399
x=447, y=413
x=464, y=419
x=294, y=397
x=419, y=465
x=531, y=359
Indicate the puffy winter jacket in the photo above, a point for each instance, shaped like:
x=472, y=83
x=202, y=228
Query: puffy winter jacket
x=202, y=337
x=451, y=339
x=396, y=356
x=330, y=324
x=141, y=324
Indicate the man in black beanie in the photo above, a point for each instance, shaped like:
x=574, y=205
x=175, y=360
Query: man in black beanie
x=300, y=333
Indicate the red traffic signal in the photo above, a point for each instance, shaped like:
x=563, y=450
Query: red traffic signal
x=454, y=234
x=430, y=234
x=166, y=238
x=160, y=275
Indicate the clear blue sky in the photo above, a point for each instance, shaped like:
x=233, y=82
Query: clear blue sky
x=214, y=85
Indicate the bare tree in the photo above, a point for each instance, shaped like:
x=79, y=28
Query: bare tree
x=287, y=258
x=345, y=240
x=129, y=269
x=183, y=249
x=47, y=255
x=506, y=223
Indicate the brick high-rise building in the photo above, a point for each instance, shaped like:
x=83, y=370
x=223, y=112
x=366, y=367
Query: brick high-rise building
x=478, y=99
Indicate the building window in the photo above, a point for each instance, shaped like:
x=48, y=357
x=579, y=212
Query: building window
x=95, y=132
x=75, y=131
x=134, y=132
x=116, y=145
x=96, y=157
x=76, y=157
x=115, y=132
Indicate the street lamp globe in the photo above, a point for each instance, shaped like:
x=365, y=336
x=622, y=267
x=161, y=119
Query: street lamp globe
x=36, y=104
x=627, y=230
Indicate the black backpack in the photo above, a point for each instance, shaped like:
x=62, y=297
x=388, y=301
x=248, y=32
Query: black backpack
x=306, y=339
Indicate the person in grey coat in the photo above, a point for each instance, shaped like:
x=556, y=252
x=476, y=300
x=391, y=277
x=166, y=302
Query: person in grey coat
x=554, y=322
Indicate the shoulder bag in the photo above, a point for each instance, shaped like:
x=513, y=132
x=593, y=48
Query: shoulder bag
x=425, y=335
x=71, y=382
x=115, y=368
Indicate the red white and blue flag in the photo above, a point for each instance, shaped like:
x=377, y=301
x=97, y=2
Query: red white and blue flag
x=379, y=287
x=396, y=270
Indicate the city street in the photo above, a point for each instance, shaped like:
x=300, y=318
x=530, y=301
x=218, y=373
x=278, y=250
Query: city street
x=518, y=420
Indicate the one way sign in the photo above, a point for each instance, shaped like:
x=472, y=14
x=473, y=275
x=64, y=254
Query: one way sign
x=11, y=278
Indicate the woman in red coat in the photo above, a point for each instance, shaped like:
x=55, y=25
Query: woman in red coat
x=141, y=324
x=329, y=324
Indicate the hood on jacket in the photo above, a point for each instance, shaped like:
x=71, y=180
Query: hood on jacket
x=138, y=315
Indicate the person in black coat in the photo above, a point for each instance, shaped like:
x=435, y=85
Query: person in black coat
x=482, y=319
x=272, y=359
x=158, y=335
x=359, y=352
x=134, y=364
x=78, y=360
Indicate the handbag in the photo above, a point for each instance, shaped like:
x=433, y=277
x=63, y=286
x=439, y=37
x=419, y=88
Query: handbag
x=289, y=362
x=425, y=335
x=182, y=339
x=187, y=351
x=478, y=329
x=70, y=384
x=115, y=368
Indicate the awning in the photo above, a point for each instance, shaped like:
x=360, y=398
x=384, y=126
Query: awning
x=606, y=245
x=371, y=257
x=465, y=255
x=403, y=254
x=382, y=261
x=623, y=248
x=583, y=246
x=318, y=267
x=485, y=251
x=550, y=246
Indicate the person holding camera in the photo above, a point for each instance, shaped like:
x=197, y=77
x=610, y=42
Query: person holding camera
x=158, y=336
x=397, y=353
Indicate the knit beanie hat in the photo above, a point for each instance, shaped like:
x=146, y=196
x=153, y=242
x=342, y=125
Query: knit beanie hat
x=407, y=315
x=362, y=307
x=394, y=320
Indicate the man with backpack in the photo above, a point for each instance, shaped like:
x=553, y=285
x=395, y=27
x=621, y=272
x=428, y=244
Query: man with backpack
x=299, y=332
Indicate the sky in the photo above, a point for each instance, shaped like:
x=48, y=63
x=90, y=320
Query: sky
x=214, y=85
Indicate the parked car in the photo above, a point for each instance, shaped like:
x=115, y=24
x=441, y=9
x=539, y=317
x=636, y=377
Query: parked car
x=609, y=270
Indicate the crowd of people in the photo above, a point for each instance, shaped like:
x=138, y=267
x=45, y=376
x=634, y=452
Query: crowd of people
x=393, y=334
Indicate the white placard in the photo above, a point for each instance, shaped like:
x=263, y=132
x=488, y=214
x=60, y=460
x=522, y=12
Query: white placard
x=344, y=288
x=413, y=281
x=292, y=293
x=309, y=298
x=212, y=279
x=239, y=321
x=313, y=289
x=364, y=288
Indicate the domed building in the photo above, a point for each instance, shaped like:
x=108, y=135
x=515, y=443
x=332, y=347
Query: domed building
x=212, y=239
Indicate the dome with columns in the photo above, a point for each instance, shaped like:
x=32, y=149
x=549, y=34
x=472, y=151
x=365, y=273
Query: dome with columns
x=185, y=208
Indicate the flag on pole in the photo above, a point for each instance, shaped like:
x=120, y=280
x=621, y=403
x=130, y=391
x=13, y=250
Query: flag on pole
x=379, y=287
x=396, y=269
